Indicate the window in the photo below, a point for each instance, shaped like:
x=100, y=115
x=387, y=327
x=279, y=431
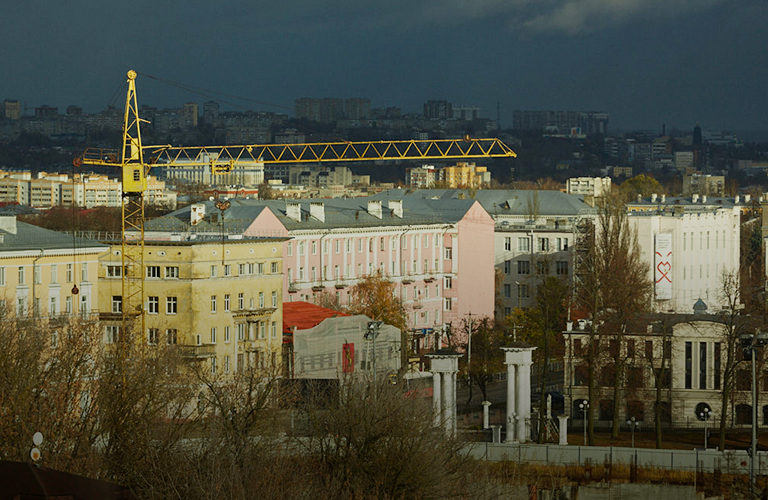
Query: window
x=112, y=334
x=507, y=291
x=523, y=291
x=21, y=275
x=326, y=246
x=448, y=253
x=114, y=271
x=241, y=331
x=381, y=245
x=226, y=363
x=273, y=329
x=117, y=304
x=301, y=247
x=448, y=304
x=214, y=305
x=261, y=299
x=171, y=336
x=153, y=271
x=226, y=302
x=274, y=299
x=542, y=267
x=213, y=335
x=262, y=329
x=507, y=266
x=37, y=274
x=250, y=268
x=227, y=270
x=171, y=305
x=68, y=303
x=152, y=335
x=543, y=245
x=70, y=272
x=240, y=301
x=523, y=244
x=448, y=282
x=717, y=359
x=273, y=267
x=314, y=247
x=688, y=365
x=523, y=267
x=54, y=339
x=2, y=276
x=289, y=249
x=260, y=268
x=561, y=267
x=227, y=334
x=172, y=272
x=214, y=271
x=53, y=310
x=153, y=304
x=84, y=273
x=702, y=365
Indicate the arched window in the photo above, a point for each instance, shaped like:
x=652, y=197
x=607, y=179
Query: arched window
x=743, y=414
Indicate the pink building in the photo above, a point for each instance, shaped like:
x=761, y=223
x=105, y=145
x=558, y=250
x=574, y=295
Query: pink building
x=438, y=252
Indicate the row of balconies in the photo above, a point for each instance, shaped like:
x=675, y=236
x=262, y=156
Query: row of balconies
x=339, y=284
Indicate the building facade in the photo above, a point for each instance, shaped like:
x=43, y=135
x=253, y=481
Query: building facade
x=220, y=300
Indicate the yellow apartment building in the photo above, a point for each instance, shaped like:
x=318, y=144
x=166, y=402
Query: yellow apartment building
x=45, y=274
x=465, y=175
x=220, y=301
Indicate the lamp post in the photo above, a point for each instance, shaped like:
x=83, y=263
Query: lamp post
x=371, y=333
x=750, y=343
x=633, y=424
x=584, y=406
x=705, y=416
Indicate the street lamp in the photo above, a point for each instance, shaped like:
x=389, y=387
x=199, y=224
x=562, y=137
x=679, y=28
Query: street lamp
x=750, y=343
x=370, y=334
x=584, y=406
x=633, y=424
x=705, y=416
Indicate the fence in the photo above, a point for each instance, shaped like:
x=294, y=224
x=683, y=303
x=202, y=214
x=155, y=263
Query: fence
x=729, y=461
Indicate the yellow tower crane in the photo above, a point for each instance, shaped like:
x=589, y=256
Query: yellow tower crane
x=221, y=160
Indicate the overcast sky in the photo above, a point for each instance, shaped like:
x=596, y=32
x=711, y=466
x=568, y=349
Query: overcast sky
x=646, y=62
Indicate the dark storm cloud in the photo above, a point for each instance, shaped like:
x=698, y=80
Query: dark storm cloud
x=646, y=62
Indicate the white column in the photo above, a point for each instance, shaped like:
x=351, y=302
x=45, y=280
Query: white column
x=511, y=406
x=436, y=400
x=523, y=401
x=450, y=404
x=563, y=429
x=486, y=416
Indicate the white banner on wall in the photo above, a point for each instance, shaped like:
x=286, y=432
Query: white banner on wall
x=663, y=266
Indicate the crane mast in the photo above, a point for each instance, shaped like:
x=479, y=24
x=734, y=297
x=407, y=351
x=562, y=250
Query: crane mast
x=221, y=160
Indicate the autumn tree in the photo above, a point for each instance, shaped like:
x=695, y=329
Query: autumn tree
x=487, y=356
x=375, y=296
x=644, y=185
x=613, y=288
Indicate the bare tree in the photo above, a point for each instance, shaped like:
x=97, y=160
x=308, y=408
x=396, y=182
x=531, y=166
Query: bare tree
x=613, y=289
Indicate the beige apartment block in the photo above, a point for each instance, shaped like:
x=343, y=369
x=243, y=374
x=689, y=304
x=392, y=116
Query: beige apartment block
x=220, y=300
x=465, y=175
x=45, y=274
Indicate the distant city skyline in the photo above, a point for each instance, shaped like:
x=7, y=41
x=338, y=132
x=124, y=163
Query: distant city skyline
x=644, y=62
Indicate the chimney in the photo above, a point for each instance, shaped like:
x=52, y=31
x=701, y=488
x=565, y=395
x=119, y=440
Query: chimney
x=397, y=207
x=663, y=198
x=374, y=208
x=736, y=201
x=703, y=198
x=639, y=197
x=317, y=210
x=653, y=198
x=197, y=213
x=293, y=211
x=8, y=223
x=747, y=197
x=695, y=198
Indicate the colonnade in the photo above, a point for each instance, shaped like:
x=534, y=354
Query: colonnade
x=445, y=366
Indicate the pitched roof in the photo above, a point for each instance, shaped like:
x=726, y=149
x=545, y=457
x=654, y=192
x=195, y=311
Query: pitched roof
x=338, y=213
x=29, y=237
x=304, y=315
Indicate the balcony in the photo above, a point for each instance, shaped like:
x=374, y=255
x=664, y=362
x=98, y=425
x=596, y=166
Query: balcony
x=317, y=288
x=198, y=351
x=407, y=280
x=293, y=287
x=429, y=279
x=254, y=314
x=417, y=304
x=340, y=285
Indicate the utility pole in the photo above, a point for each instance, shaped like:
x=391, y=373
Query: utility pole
x=371, y=333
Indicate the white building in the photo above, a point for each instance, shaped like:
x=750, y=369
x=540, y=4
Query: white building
x=589, y=186
x=687, y=245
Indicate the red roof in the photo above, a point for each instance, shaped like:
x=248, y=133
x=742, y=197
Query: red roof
x=304, y=315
